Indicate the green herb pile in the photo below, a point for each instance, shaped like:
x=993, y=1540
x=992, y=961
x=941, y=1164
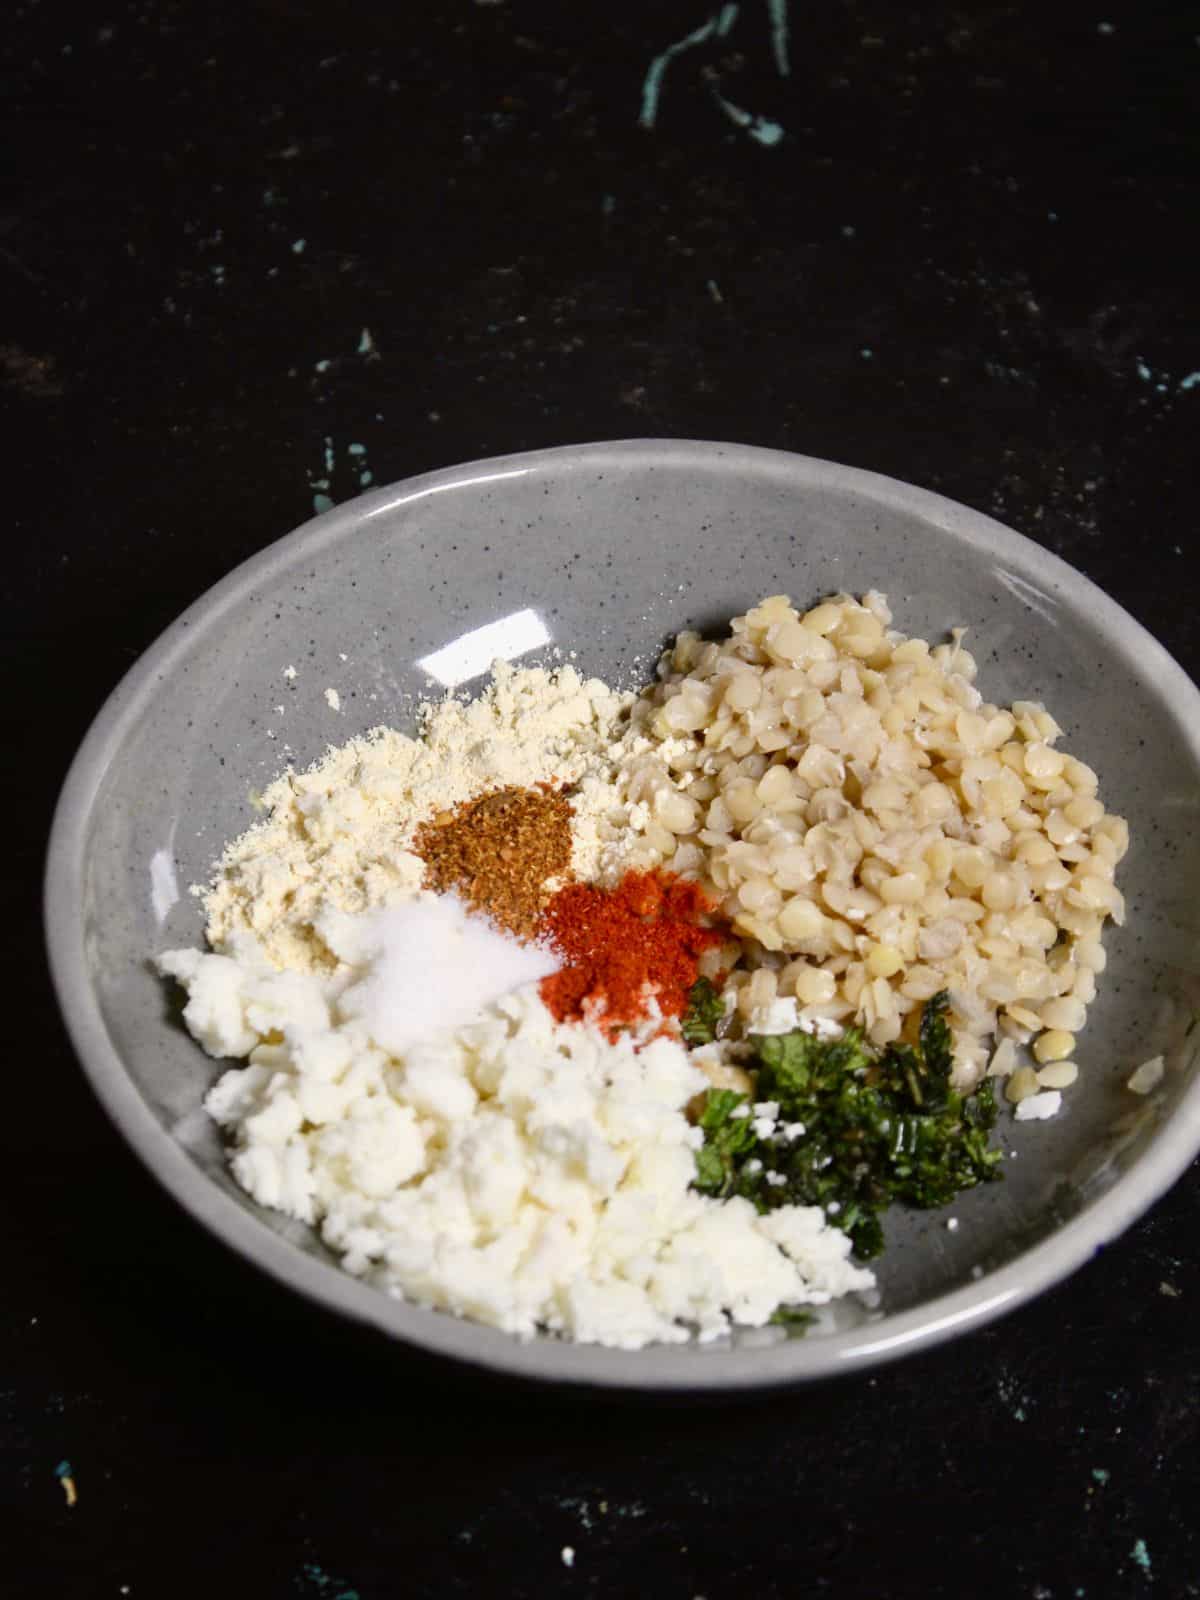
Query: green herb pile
x=880, y=1127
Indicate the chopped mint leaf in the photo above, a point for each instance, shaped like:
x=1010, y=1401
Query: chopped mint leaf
x=798, y=1318
x=726, y=1138
x=705, y=1012
x=881, y=1128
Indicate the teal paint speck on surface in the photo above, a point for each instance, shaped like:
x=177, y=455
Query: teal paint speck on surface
x=63, y=1470
x=299, y=246
x=1141, y=1555
x=318, y=1581
x=322, y=366
x=760, y=129
x=357, y=449
x=366, y=478
x=1100, y=1475
x=1192, y=381
x=656, y=71
x=765, y=132
x=322, y=502
x=366, y=345
x=328, y=454
x=777, y=11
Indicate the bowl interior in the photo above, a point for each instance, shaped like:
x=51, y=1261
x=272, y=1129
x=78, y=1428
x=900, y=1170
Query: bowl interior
x=613, y=549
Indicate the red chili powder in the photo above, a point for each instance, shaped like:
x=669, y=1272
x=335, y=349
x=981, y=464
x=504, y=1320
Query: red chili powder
x=622, y=946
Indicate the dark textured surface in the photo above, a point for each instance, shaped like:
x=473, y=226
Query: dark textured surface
x=969, y=262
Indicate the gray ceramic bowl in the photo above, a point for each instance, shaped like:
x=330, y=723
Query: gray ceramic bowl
x=616, y=547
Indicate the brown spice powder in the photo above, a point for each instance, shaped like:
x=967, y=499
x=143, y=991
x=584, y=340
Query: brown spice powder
x=498, y=851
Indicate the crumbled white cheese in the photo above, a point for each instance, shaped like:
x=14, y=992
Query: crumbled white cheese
x=525, y=1173
x=333, y=700
x=1037, y=1107
x=777, y=1016
x=824, y=1027
x=783, y=1015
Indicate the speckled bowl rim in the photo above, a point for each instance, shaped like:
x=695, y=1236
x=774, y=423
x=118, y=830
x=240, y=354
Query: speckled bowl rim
x=662, y=1367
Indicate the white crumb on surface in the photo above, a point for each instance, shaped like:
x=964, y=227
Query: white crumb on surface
x=333, y=700
x=1037, y=1107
